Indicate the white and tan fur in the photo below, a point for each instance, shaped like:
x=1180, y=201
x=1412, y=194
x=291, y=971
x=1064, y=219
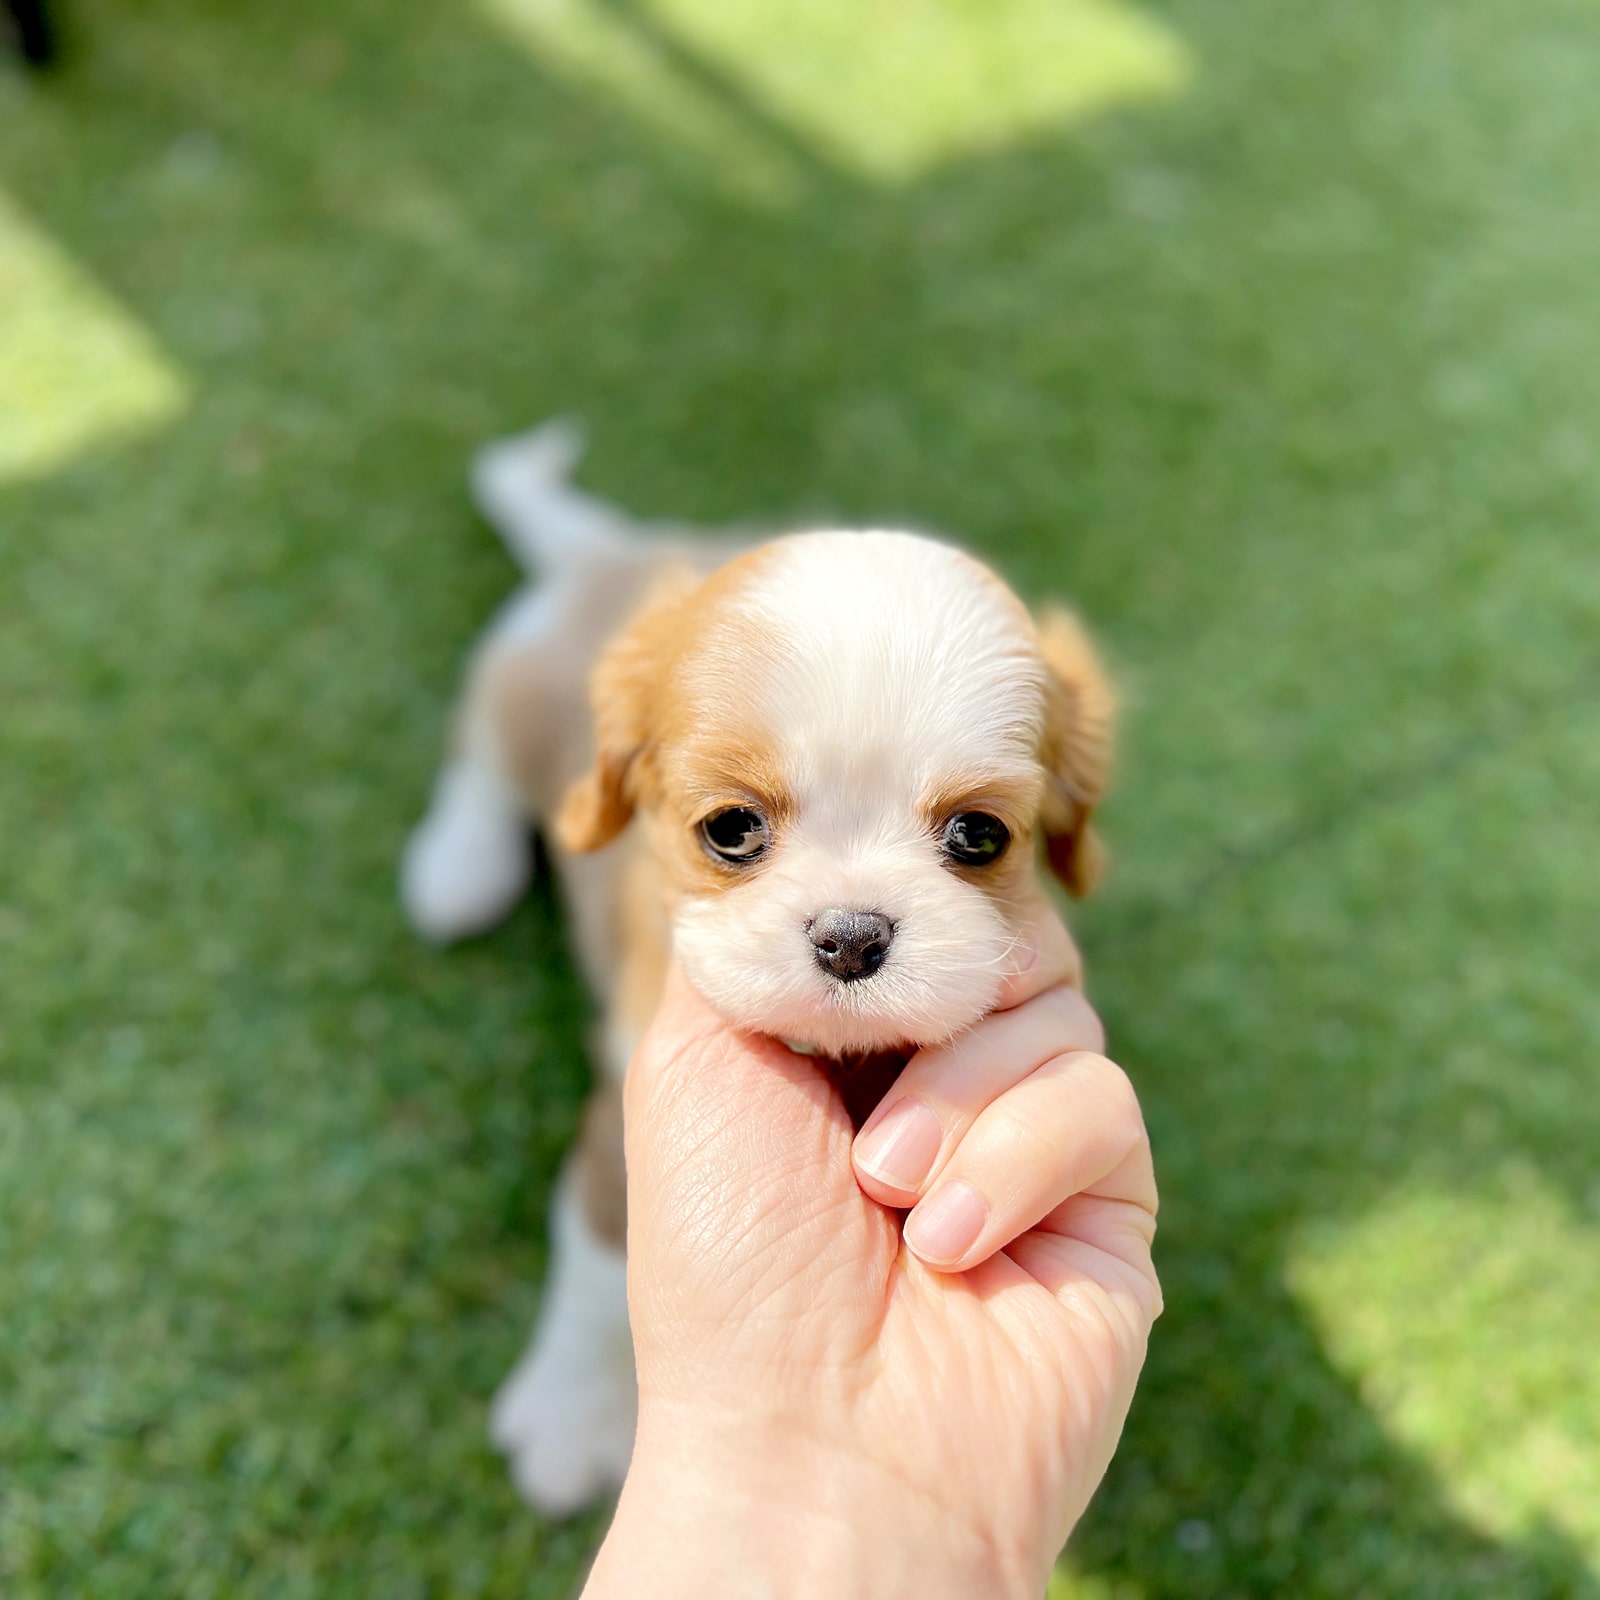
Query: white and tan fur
x=857, y=689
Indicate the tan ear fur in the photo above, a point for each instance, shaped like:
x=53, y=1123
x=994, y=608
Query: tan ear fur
x=629, y=675
x=1075, y=750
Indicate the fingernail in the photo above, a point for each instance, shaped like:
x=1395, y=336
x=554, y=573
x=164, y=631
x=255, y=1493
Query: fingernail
x=947, y=1224
x=901, y=1149
x=1025, y=953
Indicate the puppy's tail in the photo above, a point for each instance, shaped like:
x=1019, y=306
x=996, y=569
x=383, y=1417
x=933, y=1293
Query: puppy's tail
x=522, y=486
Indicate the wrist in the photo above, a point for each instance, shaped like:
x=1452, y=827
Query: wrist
x=782, y=1514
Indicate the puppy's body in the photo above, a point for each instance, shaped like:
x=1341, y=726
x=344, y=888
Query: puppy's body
x=844, y=751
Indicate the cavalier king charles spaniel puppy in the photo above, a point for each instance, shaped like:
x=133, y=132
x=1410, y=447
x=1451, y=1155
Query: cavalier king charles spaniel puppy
x=823, y=770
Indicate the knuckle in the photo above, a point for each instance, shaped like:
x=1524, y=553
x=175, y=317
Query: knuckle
x=1019, y=1153
x=1129, y=1118
x=1087, y=1021
x=1075, y=1020
x=1122, y=1112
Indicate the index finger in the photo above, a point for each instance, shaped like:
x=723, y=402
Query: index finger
x=1044, y=956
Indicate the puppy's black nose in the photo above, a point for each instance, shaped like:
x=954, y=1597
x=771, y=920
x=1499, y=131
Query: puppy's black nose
x=851, y=944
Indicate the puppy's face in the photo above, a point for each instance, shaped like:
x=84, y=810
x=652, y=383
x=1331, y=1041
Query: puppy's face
x=847, y=747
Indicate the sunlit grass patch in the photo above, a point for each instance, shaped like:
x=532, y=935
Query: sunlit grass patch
x=884, y=92
x=1466, y=1320
x=892, y=89
x=75, y=368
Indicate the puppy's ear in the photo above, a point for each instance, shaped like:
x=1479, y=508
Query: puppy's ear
x=623, y=691
x=1075, y=749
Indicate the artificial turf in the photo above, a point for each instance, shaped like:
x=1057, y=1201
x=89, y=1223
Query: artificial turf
x=1267, y=334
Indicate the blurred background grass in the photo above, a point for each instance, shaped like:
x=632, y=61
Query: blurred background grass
x=1266, y=334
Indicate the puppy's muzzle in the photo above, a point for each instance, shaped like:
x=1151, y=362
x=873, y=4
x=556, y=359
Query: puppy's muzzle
x=850, y=944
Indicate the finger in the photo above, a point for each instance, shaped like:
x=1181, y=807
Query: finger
x=1112, y=1309
x=1131, y=1182
x=1071, y=1127
x=1043, y=956
x=1095, y=1283
x=1108, y=1239
x=904, y=1145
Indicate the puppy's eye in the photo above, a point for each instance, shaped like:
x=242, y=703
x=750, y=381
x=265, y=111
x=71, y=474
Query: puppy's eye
x=975, y=838
x=737, y=834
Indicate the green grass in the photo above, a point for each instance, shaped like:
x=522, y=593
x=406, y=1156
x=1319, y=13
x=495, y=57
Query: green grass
x=1276, y=352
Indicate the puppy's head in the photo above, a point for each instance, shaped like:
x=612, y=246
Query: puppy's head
x=847, y=748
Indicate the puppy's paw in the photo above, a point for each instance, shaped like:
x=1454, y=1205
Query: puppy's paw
x=566, y=1424
x=468, y=860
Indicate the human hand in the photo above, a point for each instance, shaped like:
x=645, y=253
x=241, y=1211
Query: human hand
x=831, y=1402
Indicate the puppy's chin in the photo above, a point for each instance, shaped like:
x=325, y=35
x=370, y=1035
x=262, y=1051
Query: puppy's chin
x=760, y=972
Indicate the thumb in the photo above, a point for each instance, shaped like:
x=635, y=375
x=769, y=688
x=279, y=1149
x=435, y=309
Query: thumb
x=716, y=1108
x=744, y=1215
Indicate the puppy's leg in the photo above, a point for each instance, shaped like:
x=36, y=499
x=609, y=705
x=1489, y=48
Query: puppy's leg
x=468, y=861
x=566, y=1415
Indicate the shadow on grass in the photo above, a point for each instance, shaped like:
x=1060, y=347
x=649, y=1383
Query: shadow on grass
x=372, y=237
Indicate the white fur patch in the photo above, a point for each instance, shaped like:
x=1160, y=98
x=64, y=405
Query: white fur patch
x=895, y=670
x=566, y=1415
x=468, y=860
x=905, y=665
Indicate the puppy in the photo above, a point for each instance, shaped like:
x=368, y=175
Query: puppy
x=822, y=769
